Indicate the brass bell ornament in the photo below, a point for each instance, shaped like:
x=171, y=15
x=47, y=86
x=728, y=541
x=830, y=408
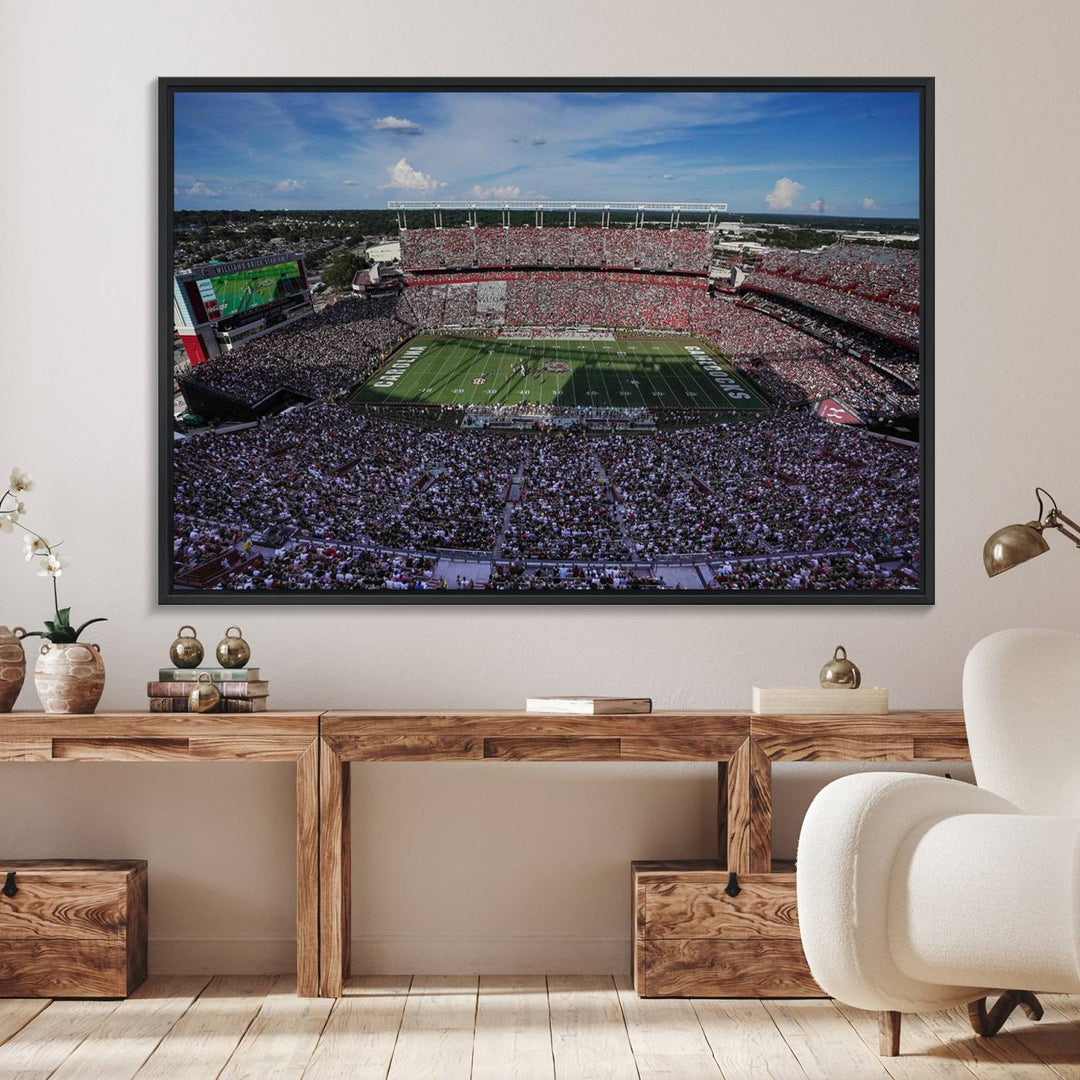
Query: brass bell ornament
x=204, y=696
x=233, y=652
x=186, y=651
x=840, y=673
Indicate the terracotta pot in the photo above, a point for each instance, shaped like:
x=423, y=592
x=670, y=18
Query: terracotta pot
x=12, y=666
x=69, y=678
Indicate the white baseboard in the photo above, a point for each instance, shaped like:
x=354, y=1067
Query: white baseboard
x=430, y=954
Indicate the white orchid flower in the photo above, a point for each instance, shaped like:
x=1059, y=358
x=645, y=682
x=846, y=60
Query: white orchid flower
x=20, y=481
x=7, y=520
x=53, y=566
x=34, y=545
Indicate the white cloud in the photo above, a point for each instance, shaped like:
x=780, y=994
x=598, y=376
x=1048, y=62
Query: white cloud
x=396, y=125
x=507, y=191
x=199, y=188
x=785, y=191
x=351, y=183
x=820, y=205
x=289, y=187
x=403, y=175
x=869, y=204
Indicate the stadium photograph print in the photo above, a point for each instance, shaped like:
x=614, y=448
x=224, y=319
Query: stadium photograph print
x=596, y=340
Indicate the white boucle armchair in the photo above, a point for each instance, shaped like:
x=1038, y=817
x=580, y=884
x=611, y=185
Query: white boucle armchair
x=918, y=893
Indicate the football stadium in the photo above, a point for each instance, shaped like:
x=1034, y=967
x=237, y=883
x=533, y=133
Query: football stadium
x=559, y=407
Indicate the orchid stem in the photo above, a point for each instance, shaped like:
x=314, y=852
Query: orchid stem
x=48, y=547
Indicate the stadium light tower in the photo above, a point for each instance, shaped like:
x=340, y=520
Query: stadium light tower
x=506, y=208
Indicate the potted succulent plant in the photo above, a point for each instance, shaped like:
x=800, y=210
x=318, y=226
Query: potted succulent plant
x=69, y=674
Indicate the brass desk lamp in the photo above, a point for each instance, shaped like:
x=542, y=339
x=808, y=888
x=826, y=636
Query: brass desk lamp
x=1014, y=544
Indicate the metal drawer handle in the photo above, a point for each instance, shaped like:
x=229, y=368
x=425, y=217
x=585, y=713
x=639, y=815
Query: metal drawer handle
x=9, y=884
x=732, y=887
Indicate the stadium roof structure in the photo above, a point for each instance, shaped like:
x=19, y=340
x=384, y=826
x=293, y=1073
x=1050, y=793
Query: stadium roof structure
x=571, y=206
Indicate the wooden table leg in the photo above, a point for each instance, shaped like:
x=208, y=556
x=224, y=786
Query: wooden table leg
x=749, y=810
x=307, y=872
x=722, y=813
x=334, y=872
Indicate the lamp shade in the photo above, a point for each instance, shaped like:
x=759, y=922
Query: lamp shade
x=1012, y=545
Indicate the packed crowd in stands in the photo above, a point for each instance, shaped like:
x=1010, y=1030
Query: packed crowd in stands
x=321, y=567
x=810, y=573
x=876, y=288
x=326, y=497
x=795, y=381
x=566, y=510
x=783, y=484
x=336, y=474
x=556, y=298
x=882, y=274
x=687, y=250
x=324, y=353
x=197, y=542
x=893, y=358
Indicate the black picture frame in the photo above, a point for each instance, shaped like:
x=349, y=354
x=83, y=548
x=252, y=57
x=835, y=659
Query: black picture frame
x=168, y=594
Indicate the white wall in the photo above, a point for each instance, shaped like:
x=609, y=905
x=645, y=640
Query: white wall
x=495, y=867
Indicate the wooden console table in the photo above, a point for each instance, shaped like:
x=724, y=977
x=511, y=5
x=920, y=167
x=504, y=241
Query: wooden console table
x=136, y=736
x=742, y=744
x=322, y=745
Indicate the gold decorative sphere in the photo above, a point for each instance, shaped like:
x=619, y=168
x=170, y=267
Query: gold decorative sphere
x=233, y=652
x=186, y=651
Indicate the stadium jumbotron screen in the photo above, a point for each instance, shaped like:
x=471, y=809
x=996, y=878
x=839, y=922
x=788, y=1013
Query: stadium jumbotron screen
x=605, y=340
x=245, y=290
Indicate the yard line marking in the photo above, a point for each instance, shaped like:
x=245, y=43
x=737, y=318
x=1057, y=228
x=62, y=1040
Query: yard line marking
x=662, y=369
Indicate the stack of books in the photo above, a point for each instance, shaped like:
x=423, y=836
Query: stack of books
x=580, y=705
x=241, y=689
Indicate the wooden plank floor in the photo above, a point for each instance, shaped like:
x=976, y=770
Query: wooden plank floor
x=524, y=1027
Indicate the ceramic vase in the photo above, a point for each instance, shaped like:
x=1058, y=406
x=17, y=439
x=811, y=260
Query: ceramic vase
x=69, y=678
x=12, y=667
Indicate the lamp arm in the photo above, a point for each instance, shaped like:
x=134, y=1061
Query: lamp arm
x=1055, y=519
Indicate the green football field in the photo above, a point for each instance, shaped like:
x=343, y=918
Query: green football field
x=678, y=373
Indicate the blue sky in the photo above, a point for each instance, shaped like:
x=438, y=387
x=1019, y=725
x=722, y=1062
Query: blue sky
x=840, y=153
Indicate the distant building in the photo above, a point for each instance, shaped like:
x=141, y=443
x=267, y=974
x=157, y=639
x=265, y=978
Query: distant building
x=385, y=253
x=741, y=254
x=871, y=236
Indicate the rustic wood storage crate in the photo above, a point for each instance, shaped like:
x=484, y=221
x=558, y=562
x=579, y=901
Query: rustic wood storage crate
x=72, y=928
x=691, y=939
